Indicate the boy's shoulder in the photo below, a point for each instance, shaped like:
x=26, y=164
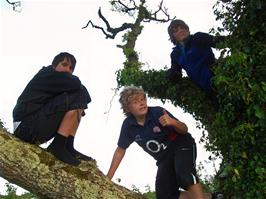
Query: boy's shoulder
x=128, y=120
x=200, y=39
x=46, y=69
x=155, y=110
x=152, y=110
x=200, y=36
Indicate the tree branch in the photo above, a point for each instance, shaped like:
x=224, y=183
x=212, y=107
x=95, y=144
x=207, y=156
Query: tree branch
x=37, y=171
x=154, y=17
x=121, y=7
x=112, y=31
x=143, y=16
x=16, y=5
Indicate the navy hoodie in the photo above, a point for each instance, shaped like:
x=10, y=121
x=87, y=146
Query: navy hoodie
x=195, y=57
x=45, y=85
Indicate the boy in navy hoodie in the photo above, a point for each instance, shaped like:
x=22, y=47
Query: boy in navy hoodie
x=51, y=106
x=193, y=53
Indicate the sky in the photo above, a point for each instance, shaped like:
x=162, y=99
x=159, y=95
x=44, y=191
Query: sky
x=31, y=38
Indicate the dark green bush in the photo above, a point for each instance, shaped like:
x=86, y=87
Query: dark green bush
x=236, y=129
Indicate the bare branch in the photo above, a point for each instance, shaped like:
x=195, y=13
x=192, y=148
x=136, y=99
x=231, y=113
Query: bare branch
x=124, y=8
x=110, y=32
x=142, y=15
x=225, y=1
x=153, y=16
x=16, y=5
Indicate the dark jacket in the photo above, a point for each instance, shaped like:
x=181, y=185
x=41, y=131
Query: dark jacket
x=196, y=57
x=46, y=84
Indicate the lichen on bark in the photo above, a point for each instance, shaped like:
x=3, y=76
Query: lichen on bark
x=34, y=169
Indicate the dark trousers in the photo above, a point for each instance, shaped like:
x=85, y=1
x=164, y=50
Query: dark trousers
x=176, y=171
x=43, y=124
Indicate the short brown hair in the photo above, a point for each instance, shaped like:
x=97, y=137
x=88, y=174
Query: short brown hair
x=127, y=95
x=64, y=55
x=173, y=26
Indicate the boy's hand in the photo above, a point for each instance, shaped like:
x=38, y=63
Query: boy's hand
x=165, y=119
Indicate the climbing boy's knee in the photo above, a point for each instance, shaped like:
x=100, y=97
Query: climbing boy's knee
x=187, y=179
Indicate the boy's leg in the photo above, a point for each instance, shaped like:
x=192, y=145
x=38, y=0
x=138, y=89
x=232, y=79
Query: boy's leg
x=73, y=151
x=185, y=158
x=184, y=195
x=39, y=128
x=195, y=191
x=73, y=105
x=58, y=149
x=68, y=128
x=60, y=113
x=166, y=186
x=70, y=123
x=61, y=147
x=185, y=165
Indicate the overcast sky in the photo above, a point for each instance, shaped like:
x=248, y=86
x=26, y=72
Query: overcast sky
x=30, y=39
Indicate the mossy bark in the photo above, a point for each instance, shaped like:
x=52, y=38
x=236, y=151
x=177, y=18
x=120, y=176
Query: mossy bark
x=32, y=168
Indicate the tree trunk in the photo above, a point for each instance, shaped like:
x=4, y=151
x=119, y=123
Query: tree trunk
x=32, y=168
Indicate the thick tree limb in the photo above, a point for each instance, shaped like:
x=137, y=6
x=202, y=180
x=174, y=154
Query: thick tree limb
x=37, y=171
x=157, y=85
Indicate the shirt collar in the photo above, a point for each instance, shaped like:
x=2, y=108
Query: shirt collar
x=133, y=121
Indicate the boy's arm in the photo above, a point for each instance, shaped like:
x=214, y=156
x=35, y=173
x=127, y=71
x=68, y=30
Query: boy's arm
x=117, y=158
x=175, y=72
x=166, y=120
x=51, y=81
x=204, y=39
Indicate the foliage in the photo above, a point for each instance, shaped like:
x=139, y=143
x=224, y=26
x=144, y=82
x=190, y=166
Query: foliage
x=148, y=193
x=240, y=79
x=2, y=127
x=236, y=128
x=180, y=93
x=11, y=193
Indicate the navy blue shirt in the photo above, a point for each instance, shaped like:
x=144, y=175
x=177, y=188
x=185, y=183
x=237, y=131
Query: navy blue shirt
x=152, y=137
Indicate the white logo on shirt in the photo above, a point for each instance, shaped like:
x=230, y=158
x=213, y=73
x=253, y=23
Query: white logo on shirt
x=154, y=146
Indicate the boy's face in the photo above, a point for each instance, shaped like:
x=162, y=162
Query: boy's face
x=138, y=105
x=64, y=66
x=180, y=33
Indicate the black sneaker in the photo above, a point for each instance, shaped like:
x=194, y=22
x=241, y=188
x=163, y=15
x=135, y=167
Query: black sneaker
x=63, y=155
x=74, y=152
x=80, y=156
x=217, y=195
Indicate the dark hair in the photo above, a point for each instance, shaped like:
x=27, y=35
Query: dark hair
x=173, y=26
x=61, y=56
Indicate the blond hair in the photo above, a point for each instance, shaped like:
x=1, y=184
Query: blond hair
x=127, y=94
